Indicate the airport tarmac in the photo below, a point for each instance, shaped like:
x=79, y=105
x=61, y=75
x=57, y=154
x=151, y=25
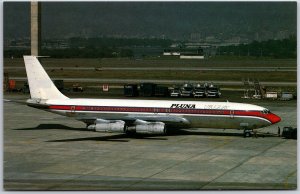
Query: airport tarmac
x=44, y=151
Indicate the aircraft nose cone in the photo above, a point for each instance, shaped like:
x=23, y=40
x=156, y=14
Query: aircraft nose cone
x=274, y=118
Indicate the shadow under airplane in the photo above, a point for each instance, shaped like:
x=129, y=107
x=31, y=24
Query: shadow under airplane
x=103, y=138
x=120, y=137
x=52, y=126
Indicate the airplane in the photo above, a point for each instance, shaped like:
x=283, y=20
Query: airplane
x=142, y=116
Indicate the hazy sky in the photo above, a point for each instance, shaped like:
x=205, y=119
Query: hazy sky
x=175, y=20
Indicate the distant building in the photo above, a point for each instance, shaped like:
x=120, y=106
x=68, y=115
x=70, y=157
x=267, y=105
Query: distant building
x=195, y=37
x=55, y=44
x=191, y=57
x=185, y=53
x=170, y=52
x=17, y=44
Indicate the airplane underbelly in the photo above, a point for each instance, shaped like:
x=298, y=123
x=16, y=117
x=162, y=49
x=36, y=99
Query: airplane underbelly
x=226, y=122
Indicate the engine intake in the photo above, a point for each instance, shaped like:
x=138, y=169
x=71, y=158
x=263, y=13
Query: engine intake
x=100, y=125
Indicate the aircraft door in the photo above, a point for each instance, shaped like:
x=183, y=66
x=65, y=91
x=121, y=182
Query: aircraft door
x=73, y=109
x=231, y=114
x=71, y=112
x=168, y=111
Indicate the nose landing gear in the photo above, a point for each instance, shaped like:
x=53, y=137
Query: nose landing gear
x=248, y=133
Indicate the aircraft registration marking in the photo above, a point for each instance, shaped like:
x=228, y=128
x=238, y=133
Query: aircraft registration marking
x=218, y=107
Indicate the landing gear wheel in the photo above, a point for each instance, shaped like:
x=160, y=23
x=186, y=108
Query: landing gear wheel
x=247, y=133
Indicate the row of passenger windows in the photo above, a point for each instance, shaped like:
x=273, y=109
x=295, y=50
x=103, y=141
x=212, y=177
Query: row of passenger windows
x=163, y=110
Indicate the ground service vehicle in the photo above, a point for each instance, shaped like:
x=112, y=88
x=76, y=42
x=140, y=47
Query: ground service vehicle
x=213, y=91
x=76, y=88
x=147, y=89
x=186, y=90
x=175, y=92
x=289, y=133
x=199, y=91
x=131, y=90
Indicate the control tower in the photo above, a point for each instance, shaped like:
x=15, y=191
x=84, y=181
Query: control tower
x=35, y=27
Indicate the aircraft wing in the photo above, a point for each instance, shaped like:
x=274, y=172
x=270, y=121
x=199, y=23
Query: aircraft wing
x=164, y=119
x=129, y=119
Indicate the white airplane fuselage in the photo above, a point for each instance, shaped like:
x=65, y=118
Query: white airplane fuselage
x=193, y=114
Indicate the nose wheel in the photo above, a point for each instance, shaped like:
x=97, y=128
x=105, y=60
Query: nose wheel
x=247, y=133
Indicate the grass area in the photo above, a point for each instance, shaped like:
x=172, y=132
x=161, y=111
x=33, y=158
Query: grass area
x=163, y=75
x=168, y=75
x=160, y=62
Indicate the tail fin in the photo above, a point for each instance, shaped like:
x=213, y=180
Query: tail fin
x=40, y=84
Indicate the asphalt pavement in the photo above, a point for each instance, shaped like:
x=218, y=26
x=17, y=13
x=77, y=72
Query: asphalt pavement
x=45, y=151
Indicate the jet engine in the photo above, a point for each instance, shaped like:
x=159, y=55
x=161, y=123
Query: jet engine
x=143, y=127
x=101, y=125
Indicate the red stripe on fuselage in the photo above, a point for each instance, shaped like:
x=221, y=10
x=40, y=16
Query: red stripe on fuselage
x=269, y=116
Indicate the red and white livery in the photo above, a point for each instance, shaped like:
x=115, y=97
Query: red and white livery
x=142, y=116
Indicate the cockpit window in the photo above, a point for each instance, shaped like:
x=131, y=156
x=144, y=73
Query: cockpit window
x=265, y=111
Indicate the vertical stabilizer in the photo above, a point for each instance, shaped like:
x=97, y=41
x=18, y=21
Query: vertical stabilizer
x=40, y=84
